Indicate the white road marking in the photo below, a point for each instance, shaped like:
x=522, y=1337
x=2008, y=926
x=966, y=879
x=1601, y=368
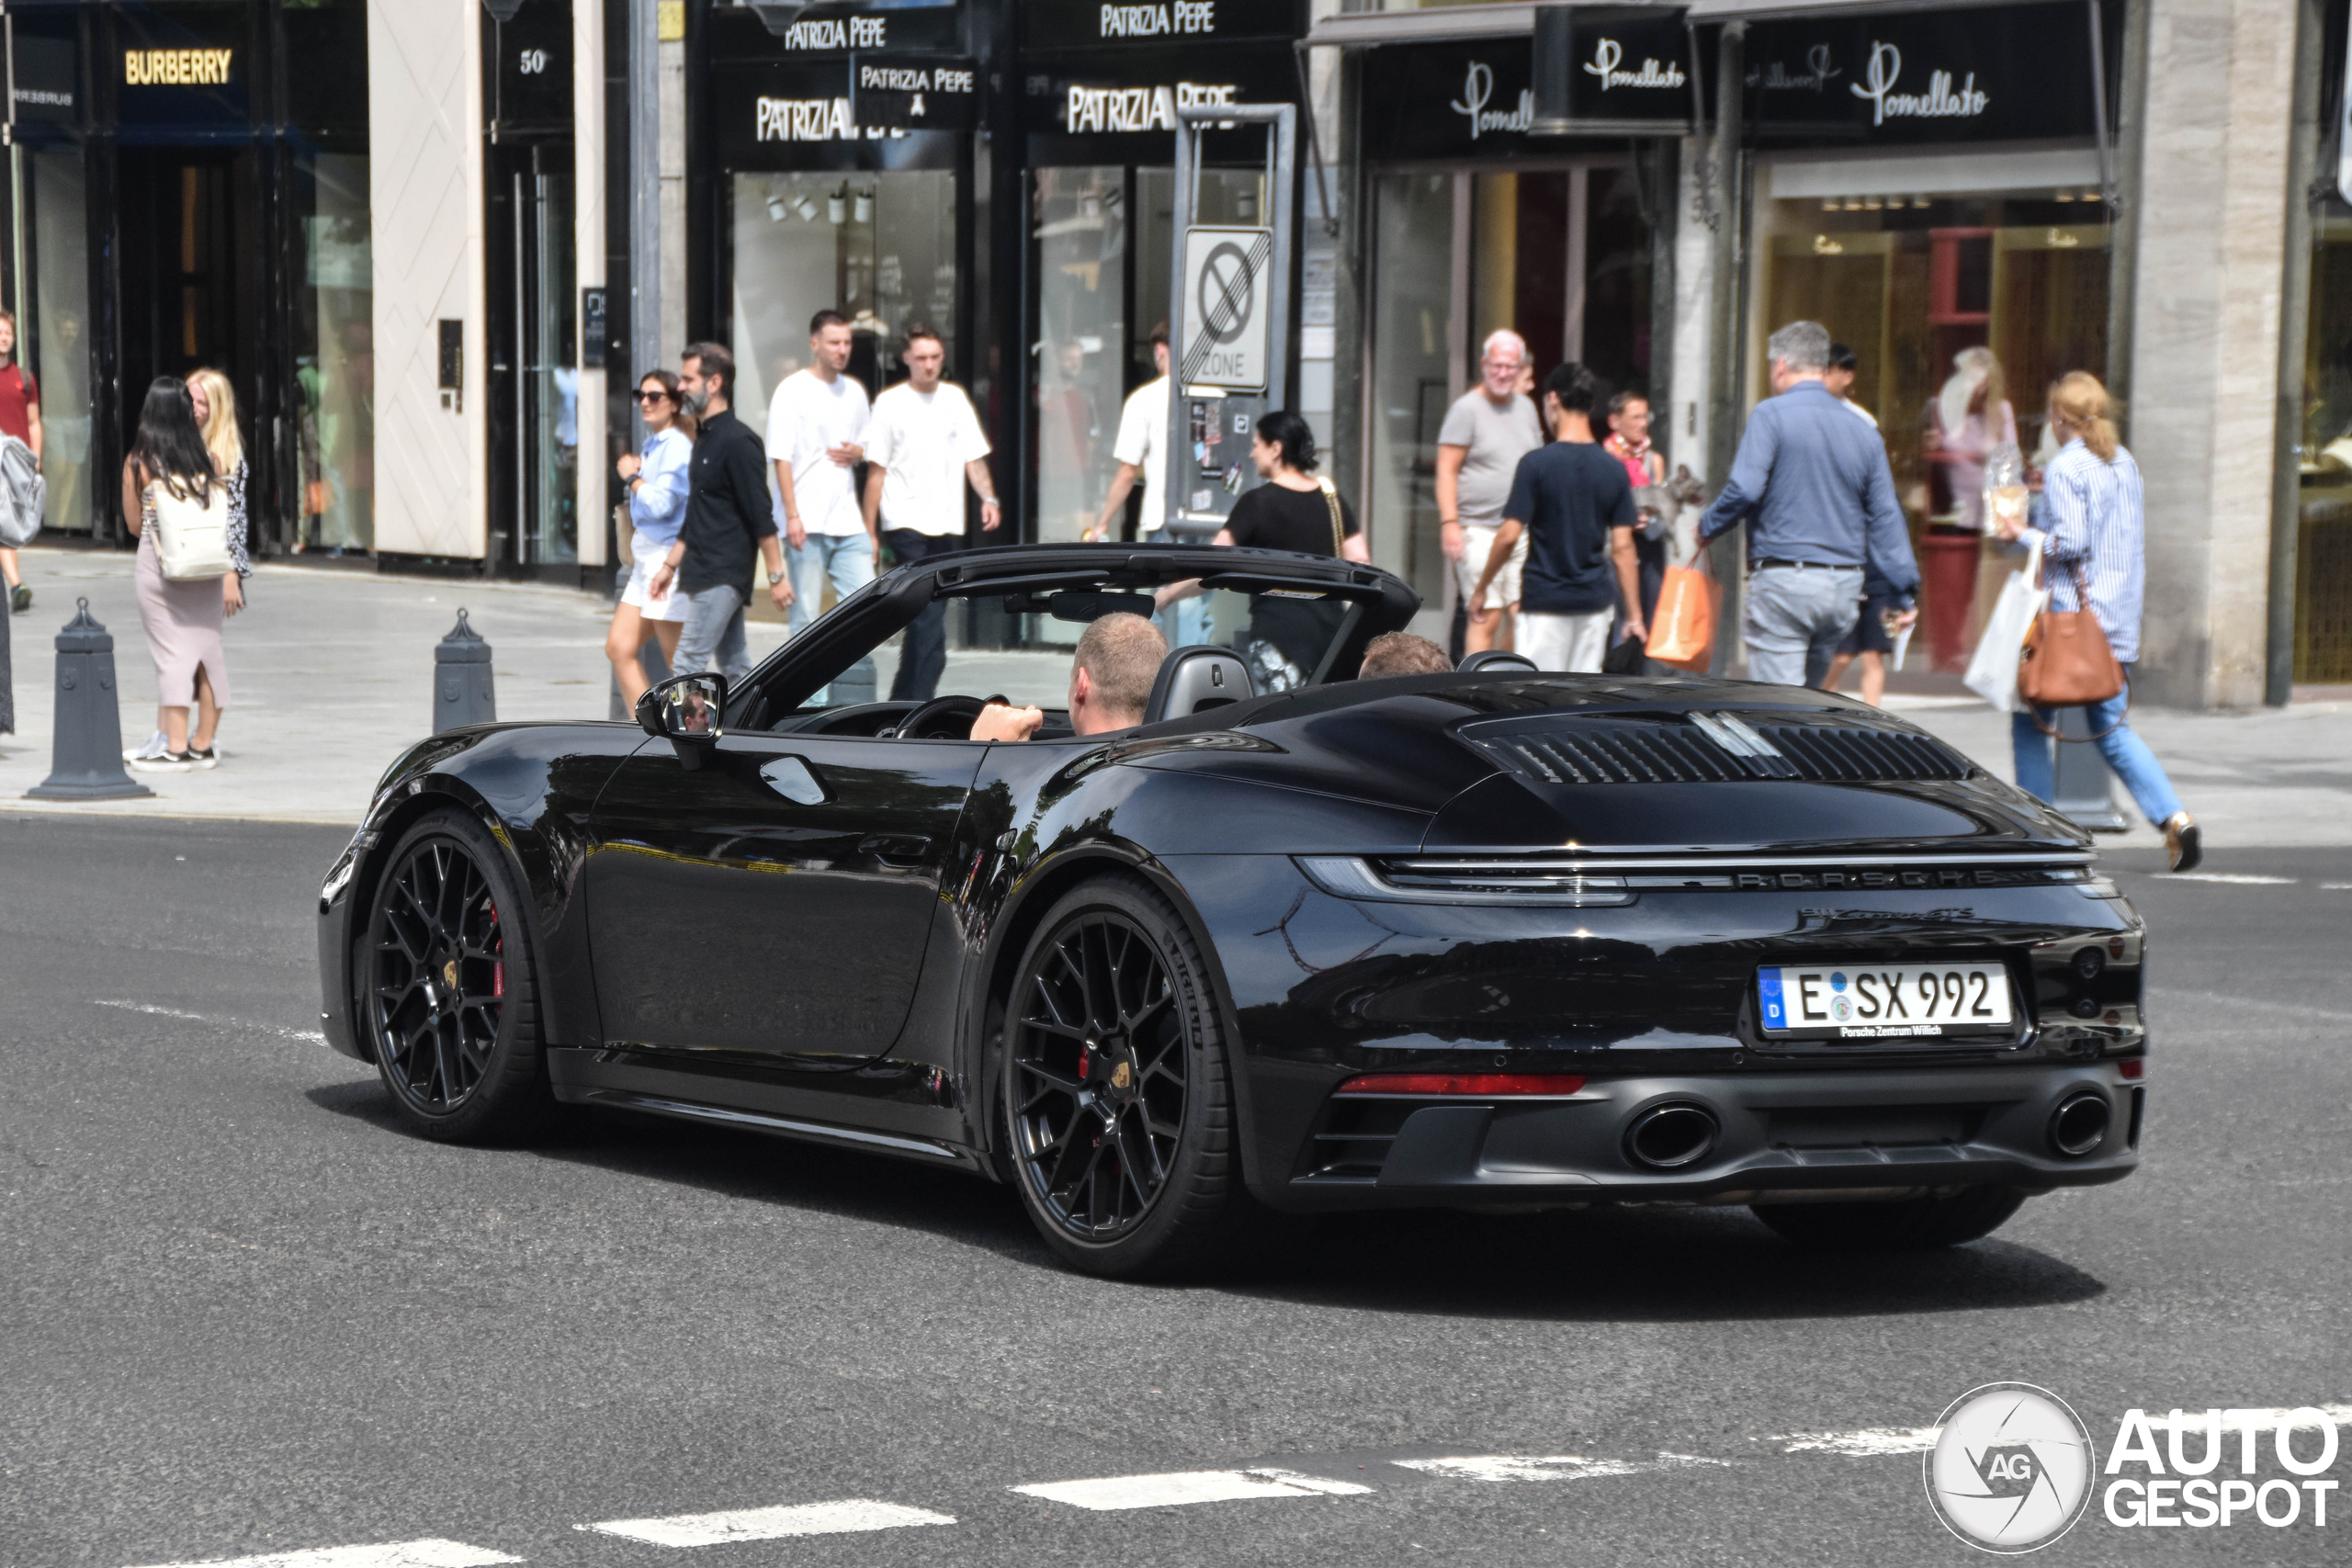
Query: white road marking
x=2336, y=886
x=770, y=1523
x=1863, y=1444
x=1547, y=1467
x=2265, y=1420
x=2234, y=878
x=1179, y=1487
x=429, y=1553
x=311, y=1036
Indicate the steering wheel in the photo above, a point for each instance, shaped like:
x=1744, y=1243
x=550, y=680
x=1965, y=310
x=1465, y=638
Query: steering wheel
x=925, y=722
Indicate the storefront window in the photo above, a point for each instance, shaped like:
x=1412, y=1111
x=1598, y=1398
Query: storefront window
x=1920, y=287
x=1082, y=229
x=2323, y=539
x=57, y=346
x=334, y=355
x=879, y=247
x=1415, y=370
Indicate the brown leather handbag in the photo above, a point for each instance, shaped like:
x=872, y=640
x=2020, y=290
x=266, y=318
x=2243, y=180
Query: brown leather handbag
x=2066, y=662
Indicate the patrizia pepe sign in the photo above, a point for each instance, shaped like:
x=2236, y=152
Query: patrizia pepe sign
x=1994, y=73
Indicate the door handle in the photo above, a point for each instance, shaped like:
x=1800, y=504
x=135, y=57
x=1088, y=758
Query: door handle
x=893, y=849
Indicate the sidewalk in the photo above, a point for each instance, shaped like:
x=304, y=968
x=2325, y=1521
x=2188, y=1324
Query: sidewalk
x=332, y=675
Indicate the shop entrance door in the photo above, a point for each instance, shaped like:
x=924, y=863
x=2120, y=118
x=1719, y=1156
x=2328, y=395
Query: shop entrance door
x=534, y=363
x=191, y=274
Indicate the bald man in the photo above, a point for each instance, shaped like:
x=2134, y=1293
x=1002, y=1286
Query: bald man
x=1110, y=681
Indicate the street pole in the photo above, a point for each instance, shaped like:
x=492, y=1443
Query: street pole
x=1725, y=396
x=645, y=197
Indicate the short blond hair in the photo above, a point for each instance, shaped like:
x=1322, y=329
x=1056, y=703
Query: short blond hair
x=221, y=437
x=1402, y=653
x=1121, y=655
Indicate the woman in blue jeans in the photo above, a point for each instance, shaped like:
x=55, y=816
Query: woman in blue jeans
x=2092, y=524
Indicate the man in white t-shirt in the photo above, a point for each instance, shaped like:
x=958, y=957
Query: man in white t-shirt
x=1487, y=432
x=816, y=438
x=1142, y=447
x=923, y=444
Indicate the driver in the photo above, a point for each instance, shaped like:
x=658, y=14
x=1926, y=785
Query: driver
x=1110, y=681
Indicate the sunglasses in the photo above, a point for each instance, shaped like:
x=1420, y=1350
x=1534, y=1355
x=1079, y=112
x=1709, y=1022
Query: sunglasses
x=652, y=396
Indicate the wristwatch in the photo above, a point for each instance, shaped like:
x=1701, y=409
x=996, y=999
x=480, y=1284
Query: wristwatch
x=774, y=578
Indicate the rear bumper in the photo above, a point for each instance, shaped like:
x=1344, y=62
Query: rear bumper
x=1779, y=1136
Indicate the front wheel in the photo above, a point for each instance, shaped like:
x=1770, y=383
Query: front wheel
x=1940, y=1219
x=447, y=993
x=1117, y=1102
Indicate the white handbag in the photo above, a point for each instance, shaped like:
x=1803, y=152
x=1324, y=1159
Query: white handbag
x=1993, y=672
x=191, y=533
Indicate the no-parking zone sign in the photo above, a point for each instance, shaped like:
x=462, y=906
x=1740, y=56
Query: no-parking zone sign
x=1227, y=302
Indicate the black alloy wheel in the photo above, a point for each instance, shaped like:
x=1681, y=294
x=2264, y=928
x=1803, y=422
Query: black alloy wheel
x=1116, y=1101
x=448, y=994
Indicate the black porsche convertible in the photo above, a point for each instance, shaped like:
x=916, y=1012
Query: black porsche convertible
x=1298, y=942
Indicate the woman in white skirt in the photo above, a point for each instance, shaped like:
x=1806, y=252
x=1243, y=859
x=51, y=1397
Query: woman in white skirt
x=657, y=509
x=182, y=618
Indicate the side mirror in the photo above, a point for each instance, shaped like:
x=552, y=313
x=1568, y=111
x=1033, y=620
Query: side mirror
x=684, y=710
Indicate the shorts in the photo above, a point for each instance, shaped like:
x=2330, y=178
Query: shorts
x=1477, y=541
x=649, y=555
x=1868, y=635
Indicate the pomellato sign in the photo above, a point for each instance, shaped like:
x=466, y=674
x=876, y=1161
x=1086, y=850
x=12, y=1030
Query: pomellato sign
x=1998, y=74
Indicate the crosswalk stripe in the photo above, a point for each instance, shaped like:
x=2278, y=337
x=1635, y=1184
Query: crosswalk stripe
x=1110, y=1493
x=770, y=1523
x=1547, y=1467
x=428, y=1553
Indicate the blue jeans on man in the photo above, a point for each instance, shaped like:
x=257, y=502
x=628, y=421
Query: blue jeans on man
x=2129, y=755
x=714, y=629
x=844, y=560
x=922, y=657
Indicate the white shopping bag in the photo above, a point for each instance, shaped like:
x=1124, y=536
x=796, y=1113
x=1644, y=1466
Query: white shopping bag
x=1993, y=672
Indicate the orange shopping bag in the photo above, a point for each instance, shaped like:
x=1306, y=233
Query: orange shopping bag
x=1682, y=633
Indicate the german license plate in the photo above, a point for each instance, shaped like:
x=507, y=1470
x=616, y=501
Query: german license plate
x=1881, y=1001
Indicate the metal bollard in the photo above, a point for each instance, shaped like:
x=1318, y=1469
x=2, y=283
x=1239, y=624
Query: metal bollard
x=2082, y=781
x=656, y=667
x=465, y=689
x=86, y=744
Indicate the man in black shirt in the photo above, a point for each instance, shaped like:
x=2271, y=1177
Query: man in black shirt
x=1577, y=505
x=728, y=519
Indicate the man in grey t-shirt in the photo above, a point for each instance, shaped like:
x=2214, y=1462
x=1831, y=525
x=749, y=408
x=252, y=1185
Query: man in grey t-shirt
x=1487, y=432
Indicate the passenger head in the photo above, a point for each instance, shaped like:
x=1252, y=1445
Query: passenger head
x=1798, y=351
x=1110, y=679
x=1402, y=653
x=1284, y=441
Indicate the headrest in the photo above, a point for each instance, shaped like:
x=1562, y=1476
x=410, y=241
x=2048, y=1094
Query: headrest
x=1192, y=680
x=1497, y=658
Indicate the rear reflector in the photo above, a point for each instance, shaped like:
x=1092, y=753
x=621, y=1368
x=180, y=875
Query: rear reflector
x=1482, y=1085
x=2132, y=1067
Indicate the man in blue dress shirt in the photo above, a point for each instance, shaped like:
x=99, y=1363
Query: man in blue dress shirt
x=1812, y=483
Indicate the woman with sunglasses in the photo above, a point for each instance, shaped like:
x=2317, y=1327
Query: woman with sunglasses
x=657, y=509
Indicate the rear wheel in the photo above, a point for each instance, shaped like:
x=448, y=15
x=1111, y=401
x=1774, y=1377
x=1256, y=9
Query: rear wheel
x=449, y=995
x=1940, y=1219
x=1118, y=1107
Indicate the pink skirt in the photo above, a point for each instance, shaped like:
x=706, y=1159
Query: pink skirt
x=183, y=622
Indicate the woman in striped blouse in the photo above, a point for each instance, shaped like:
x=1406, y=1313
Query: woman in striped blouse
x=2091, y=521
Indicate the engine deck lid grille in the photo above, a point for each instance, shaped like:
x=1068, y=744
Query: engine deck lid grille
x=1711, y=747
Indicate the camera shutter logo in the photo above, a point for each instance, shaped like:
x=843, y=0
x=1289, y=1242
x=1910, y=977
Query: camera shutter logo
x=2011, y=1469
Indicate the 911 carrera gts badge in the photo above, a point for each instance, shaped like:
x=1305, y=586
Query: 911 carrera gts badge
x=1121, y=1077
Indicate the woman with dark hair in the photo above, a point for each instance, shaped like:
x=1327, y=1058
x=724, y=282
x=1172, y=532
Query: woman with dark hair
x=657, y=510
x=182, y=616
x=1296, y=511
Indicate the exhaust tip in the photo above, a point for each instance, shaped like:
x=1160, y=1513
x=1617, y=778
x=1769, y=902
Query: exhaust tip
x=1669, y=1136
x=2079, y=1126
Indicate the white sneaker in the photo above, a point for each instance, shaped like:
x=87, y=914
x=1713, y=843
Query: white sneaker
x=169, y=762
x=155, y=746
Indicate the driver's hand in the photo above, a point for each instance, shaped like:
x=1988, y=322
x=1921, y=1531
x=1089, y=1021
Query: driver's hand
x=999, y=721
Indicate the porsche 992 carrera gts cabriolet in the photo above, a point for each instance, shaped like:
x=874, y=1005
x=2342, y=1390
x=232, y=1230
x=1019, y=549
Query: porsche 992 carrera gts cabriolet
x=1298, y=942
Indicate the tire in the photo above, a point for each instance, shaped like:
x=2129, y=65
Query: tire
x=1115, y=1096
x=448, y=994
x=1942, y=1219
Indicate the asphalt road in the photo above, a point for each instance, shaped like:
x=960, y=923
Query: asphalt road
x=242, y=1312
